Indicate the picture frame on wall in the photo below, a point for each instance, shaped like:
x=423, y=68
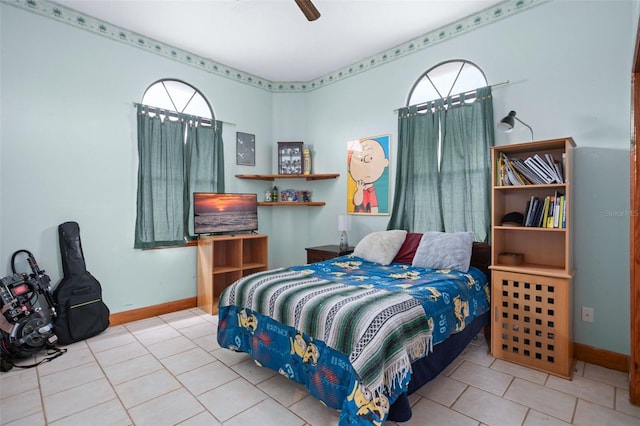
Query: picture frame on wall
x=368, y=175
x=245, y=149
x=290, y=160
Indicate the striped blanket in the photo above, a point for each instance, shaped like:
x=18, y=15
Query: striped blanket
x=382, y=332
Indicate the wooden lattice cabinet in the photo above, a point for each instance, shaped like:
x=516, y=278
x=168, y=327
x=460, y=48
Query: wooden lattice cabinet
x=532, y=264
x=224, y=259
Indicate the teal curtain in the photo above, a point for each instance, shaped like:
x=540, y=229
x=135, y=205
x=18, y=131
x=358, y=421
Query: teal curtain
x=446, y=186
x=160, y=182
x=204, y=149
x=174, y=158
x=465, y=168
x=416, y=204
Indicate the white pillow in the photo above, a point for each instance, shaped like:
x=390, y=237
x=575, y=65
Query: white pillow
x=380, y=247
x=442, y=250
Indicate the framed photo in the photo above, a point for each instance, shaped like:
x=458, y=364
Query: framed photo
x=245, y=149
x=289, y=195
x=368, y=176
x=290, y=158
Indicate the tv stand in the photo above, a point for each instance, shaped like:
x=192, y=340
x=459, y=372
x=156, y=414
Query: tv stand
x=224, y=259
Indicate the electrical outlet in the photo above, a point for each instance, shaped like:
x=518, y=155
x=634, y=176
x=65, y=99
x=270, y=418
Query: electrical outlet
x=587, y=314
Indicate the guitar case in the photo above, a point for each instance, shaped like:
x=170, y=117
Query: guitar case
x=81, y=313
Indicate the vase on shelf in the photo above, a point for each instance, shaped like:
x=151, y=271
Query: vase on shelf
x=306, y=156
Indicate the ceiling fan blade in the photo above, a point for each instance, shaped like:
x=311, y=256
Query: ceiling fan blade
x=308, y=9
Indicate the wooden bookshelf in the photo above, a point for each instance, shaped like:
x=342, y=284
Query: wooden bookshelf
x=292, y=203
x=532, y=301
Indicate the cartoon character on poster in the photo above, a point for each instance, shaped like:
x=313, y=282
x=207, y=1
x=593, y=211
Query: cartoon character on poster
x=368, y=180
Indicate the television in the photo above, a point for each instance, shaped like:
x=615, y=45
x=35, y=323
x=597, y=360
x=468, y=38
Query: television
x=218, y=213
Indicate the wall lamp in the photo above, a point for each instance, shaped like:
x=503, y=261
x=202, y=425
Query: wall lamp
x=507, y=123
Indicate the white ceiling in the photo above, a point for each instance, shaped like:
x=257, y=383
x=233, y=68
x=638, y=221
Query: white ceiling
x=272, y=39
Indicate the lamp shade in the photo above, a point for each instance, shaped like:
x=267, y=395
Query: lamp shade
x=344, y=222
x=507, y=123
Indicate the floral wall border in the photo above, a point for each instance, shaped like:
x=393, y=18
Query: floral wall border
x=79, y=20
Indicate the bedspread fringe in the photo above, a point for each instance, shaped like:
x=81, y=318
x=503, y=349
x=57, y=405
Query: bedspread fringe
x=396, y=372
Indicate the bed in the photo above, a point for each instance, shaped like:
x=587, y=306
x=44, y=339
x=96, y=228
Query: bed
x=364, y=331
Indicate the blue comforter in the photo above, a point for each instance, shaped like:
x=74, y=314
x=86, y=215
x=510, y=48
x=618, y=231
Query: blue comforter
x=450, y=300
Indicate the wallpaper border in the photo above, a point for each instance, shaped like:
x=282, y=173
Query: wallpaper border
x=72, y=17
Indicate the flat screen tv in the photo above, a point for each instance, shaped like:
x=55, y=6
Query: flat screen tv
x=216, y=213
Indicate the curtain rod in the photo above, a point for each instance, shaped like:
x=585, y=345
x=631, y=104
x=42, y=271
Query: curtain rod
x=466, y=96
x=179, y=114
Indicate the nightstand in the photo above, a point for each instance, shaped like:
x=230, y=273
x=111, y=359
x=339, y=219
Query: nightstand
x=320, y=253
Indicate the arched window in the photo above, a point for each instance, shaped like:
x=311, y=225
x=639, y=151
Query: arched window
x=179, y=97
x=180, y=151
x=446, y=79
x=444, y=136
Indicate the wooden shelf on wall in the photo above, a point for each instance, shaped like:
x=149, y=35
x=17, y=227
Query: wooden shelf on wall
x=307, y=177
x=324, y=176
x=291, y=203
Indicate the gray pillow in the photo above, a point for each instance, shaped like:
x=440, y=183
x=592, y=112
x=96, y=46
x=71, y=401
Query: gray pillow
x=442, y=250
x=380, y=247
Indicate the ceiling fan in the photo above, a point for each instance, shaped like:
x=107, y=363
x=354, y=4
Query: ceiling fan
x=309, y=10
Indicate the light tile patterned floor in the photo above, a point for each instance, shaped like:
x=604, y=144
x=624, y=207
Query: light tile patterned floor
x=169, y=370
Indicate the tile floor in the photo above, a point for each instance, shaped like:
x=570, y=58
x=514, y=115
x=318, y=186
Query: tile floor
x=169, y=370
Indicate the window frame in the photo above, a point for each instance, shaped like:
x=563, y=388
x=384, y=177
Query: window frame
x=196, y=91
x=469, y=94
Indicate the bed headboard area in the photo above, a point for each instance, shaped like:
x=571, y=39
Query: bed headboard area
x=438, y=250
x=481, y=257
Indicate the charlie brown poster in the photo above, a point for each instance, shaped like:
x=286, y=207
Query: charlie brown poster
x=368, y=177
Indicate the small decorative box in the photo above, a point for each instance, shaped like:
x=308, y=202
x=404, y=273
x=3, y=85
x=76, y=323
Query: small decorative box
x=511, y=259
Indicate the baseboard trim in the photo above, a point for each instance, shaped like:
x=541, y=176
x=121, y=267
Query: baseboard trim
x=152, y=311
x=601, y=357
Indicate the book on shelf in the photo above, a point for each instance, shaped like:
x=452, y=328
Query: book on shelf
x=554, y=210
x=513, y=177
x=522, y=178
x=527, y=211
x=539, y=214
x=556, y=213
x=545, y=211
x=549, y=169
x=535, y=167
x=555, y=167
x=534, y=170
x=526, y=172
x=550, y=211
x=501, y=173
x=534, y=212
x=561, y=210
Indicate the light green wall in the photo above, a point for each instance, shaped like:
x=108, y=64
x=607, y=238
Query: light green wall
x=568, y=77
x=69, y=152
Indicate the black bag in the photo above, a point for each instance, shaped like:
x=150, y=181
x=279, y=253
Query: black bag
x=81, y=313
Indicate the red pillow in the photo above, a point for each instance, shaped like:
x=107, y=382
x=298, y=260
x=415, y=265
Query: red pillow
x=408, y=248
